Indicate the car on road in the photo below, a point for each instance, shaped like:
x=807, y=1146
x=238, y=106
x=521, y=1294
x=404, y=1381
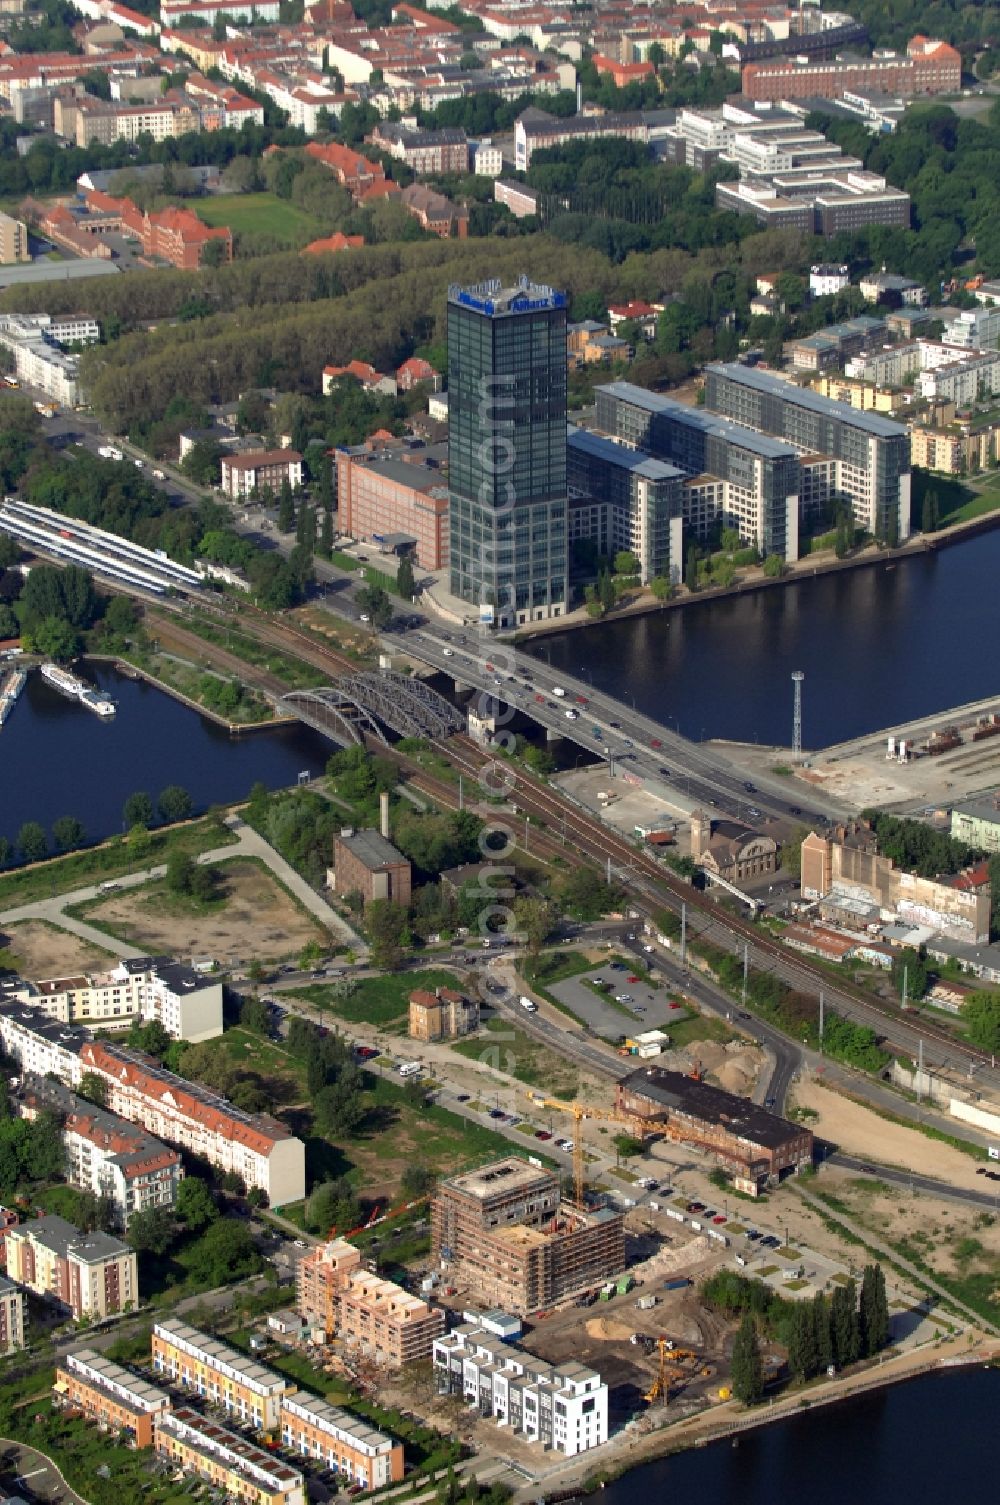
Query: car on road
x=617, y=966
x=795, y=809
x=614, y=723
x=664, y=771
x=655, y=742
x=750, y=788
x=752, y=810
x=753, y=1234
x=542, y=1134
x=496, y=1113
x=868, y=1170
x=719, y=1218
x=463, y=1097
x=769, y=1103
x=365, y=1052
x=673, y=1004
x=365, y=617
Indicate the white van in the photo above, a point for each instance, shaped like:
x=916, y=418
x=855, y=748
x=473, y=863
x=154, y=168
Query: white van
x=409, y=1068
x=559, y=691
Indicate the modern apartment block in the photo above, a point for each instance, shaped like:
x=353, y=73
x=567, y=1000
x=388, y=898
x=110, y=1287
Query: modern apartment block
x=107, y=1155
x=13, y=240
x=88, y=1274
x=732, y=476
x=624, y=500
x=870, y=455
x=238, y=1469
x=360, y=1452
x=562, y=1406
x=38, y=360
x=252, y=472
x=258, y=1149
x=974, y=328
x=112, y=1396
x=929, y=67
x=507, y=450
x=221, y=1375
x=136, y=990
x=379, y=1317
x=11, y=1316
x=504, y=1238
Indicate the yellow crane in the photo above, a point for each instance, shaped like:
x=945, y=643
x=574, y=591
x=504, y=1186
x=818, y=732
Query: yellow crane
x=578, y=1112
x=667, y=1373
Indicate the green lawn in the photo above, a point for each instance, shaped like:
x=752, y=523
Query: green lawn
x=507, y=1048
x=976, y=506
x=258, y=214
x=264, y=1057
x=685, y=1029
x=61, y=875
x=378, y=1000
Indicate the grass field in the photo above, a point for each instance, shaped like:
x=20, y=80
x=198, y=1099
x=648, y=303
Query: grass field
x=268, y=1060
x=507, y=1048
x=258, y=214
x=976, y=506
x=378, y=1000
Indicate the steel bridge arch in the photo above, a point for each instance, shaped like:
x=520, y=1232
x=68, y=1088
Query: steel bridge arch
x=371, y=703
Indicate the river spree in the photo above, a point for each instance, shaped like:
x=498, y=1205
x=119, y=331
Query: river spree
x=57, y=758
x=926, y=1442
x=878, y=646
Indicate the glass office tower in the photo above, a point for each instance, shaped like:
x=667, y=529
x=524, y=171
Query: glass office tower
x=507, y=450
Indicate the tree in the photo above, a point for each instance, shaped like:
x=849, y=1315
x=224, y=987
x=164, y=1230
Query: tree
x=150, y=1038
x=375, y=603
x=195, y=1206
x=535, y=919
x=326, y=535
x=606, y=591
x=774, y=566
x=791, y=852
x=46, y=1154
x=417, y=1181
x=94, y=1088
x=748, y=1372
x=930, y=514
x=174, y=803
x=844, y=1329
x=138, y=809
x=338, y=1109
x=982, y=1021
x=911, y=965
x=803, y=1354
x=53, y=638
x=821, y=1332
x=68, y=833
x=405, y=583
x=180, y=872
x=255, y=1015
x=286, y=507
x=874, y=1314
x=151, y=1231
x=32, y=842
x=691, y=568
x=626, y=563
x=225, y=1252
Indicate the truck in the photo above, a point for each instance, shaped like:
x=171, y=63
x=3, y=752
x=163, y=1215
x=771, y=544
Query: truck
x=159, y=475
x=528, y=1004
x=680, y=1284
x=109, y=452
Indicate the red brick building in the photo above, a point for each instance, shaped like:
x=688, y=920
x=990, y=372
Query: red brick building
x=172, y=234
x=380, y=495
x=435, y=212
x=929, y=67
x=366, y=862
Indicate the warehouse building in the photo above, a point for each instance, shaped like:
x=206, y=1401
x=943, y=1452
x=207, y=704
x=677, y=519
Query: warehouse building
x=758, y=1148
x=507, y=1241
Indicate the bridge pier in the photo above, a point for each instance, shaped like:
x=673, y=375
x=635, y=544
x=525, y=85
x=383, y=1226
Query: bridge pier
x=552, y=735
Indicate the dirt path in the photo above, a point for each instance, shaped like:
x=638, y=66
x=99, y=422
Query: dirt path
x=858, y=1131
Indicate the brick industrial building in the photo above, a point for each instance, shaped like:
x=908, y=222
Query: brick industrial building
x=88, y=1274
x=442, y=1015
x=366, y=862
x=757, y=1147
x=113, y=1397
x=929, y=67
x=505, y=1238
x=362, y=1310
x=379, y=495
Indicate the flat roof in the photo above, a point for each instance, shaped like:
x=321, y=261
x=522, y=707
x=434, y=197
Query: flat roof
x=55, y=271
x=494, y=299
x=102, y=1369
x=826, y=407
x=215, y=1352
x=371, y=848
x=502, y=1176
x=710, y=423
x=617, y=454
x=683, y=1094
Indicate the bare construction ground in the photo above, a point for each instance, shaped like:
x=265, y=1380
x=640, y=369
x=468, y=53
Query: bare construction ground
x=858, y=1131
x=252, y=918
x=43, y=950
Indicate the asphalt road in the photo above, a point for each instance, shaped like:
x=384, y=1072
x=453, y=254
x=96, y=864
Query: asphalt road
x=31, y=1474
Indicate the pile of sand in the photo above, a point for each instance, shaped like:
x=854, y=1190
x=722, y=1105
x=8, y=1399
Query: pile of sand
x=608, y=1329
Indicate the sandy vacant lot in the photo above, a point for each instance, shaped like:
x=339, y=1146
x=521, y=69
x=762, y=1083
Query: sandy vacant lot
x=257, y=920
x=43, y=950
x=858, y=1131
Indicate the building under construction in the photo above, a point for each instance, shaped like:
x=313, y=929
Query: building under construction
x=375, y=1316
x=755, y=1146
x=507, y=1239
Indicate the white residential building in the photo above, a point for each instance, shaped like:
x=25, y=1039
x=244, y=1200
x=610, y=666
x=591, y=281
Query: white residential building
x=136, y=990
x=827, y=278
x=37, y=1043
x=173, y=12
x=38, y=360
x=260, y=1150
x=561, y=1406
x=11, y=1316
x=107, y=1155
x=974, y=328
x=487, y=161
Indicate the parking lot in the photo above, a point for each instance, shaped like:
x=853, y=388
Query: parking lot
x=650, y=1006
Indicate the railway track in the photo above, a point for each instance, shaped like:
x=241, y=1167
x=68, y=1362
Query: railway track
x=650, y=886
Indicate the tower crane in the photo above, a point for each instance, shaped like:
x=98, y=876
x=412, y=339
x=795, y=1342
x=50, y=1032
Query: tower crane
x=578, y=1112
